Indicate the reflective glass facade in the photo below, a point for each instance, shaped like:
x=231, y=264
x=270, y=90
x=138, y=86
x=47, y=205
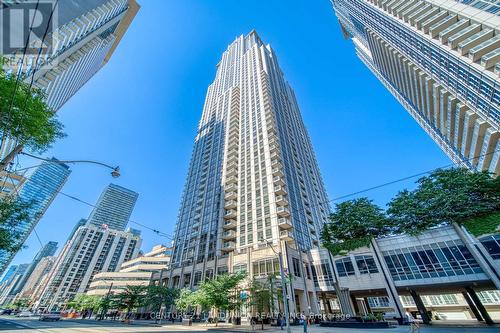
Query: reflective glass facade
x=40, y=189
x=430, y=261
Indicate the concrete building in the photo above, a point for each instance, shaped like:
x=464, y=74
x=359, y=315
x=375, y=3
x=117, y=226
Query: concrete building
x=114, y=207
x=40, y=189
x=92, y=250
x=10, y=184
x=135, y=272
x=441, y=60
x=37, y=278
x=254, y=187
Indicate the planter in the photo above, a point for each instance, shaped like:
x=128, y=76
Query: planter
x=355, y=324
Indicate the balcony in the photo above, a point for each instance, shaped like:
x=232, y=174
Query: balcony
x=232, y=165
x=232, y=159
x=231, y=188
x=231, y=196
x=230, y=214
x=276, y=164
x=227, y=235
x=232, y=172
x=230, y=224
x=277, y=172
x=230, y=204
x=228, y=246
x=279, y=181
x=274, y=148
x=281, y=200
x=232, y=152
x=280, y=190
x=284, y=223
x=283, y=211
x=286, y=235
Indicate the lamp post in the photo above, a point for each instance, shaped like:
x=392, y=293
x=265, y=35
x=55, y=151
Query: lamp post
x=115, y=171
x=283, y=287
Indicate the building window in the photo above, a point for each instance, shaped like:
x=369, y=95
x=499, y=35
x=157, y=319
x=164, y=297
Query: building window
x=240, y=268
x=366, y=264
x=197, y=278
x=344, y=267
x=492, y=245
x=433, y=260
x=266, y=267
x=296, y=267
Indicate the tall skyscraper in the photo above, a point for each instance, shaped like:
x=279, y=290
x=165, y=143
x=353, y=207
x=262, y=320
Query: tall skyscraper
x=94, y=246
x=47, y=250
x=81, y=39
x=37, y=279
x=441, y=60
x=253, y=179
x=39, y=190
x=114, y=207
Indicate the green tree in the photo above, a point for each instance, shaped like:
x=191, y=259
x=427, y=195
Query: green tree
x=220, y=293
x=261, y=298
x=353, y=224
x=25, y=117
x=12, y=214
x=20, y=303
x=131, y=298
x=445, y=196
x=158, y=296
x=83, y=302
x=186, y=299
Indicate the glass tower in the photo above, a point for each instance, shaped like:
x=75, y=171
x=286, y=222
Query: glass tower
x=39, y=190
x=253, y=180
x=47, y=250
x=441, y=60
x=114, y=207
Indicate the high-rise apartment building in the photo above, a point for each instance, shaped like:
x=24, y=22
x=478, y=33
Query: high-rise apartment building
x=81, y=39
x=253, y=180
x=94, y=247
x=441, y=60
x=114, y=207
x=47, y=250
x=39, y=190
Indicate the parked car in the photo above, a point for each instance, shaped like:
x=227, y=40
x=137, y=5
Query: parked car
x=24, y=314
x=5, y=311
x=50, y=316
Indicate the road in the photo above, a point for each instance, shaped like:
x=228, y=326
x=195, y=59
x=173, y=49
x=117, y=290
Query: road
x=22, y=325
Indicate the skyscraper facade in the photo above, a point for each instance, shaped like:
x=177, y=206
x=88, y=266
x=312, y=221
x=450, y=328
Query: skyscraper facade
x=114, y=207
x=441, y=60
x=81, y=39
x=39, y=191
x=253, y=185
x=7, y=286
x=47, y=250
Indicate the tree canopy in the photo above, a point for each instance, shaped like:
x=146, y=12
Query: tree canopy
x=25, y=116
x=13, y=212
x=443, y=197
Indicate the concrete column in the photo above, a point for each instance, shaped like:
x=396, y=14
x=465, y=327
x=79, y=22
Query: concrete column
x=472, y=306
x=420, y=307
x=479, y=305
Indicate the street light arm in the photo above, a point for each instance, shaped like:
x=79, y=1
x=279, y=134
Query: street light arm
x=115, y=171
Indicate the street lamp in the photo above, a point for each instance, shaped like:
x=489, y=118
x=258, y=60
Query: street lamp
x=283, y=287
x=115, y=171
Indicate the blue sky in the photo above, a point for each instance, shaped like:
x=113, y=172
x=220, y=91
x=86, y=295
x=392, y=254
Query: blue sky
x=142, y=109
